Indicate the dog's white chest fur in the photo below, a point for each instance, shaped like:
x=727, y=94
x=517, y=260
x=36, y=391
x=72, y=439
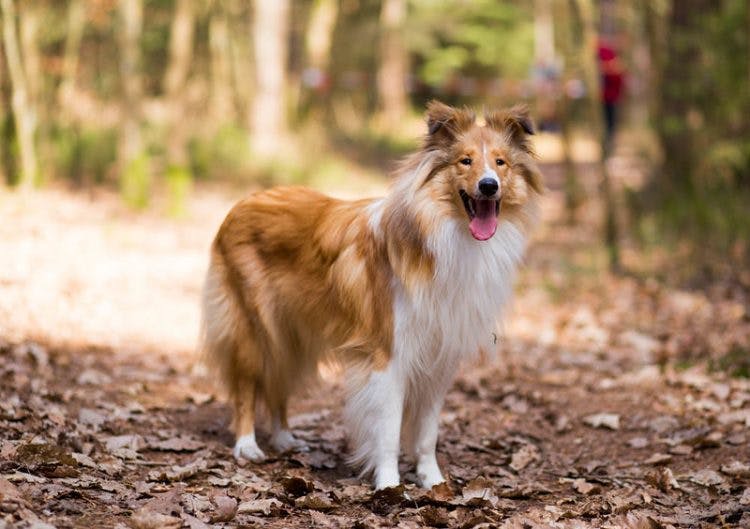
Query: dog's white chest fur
x=455, y=315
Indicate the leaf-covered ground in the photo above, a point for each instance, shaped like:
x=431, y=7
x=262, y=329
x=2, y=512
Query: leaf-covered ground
x=597, y=412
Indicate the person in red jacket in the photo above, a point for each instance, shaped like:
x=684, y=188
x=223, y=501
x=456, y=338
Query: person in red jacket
x=613, y=80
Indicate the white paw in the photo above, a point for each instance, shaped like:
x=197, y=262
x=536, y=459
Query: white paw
x=386, y=478
x=429, y=474
x=247, y=448
x=285, y=441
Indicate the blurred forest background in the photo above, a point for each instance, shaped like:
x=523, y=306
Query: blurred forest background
x=151, y=96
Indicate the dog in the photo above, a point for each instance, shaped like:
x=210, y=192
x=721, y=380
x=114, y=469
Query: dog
x=397, y=290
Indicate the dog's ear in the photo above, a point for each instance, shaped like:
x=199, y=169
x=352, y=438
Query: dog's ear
x=444, y=123
x=515, y=122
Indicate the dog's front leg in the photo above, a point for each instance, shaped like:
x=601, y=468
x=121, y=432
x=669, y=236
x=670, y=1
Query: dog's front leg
x=375, y=413
x=426, y=426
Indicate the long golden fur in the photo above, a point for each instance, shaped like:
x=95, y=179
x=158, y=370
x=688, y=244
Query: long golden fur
x=297, y=278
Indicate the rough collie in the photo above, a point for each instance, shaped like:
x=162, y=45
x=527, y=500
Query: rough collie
x=397, y=290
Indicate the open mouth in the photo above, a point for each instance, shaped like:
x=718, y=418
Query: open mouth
x=482, y=214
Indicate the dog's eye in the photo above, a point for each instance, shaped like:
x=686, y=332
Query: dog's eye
x=500, y=161
x=465, y=161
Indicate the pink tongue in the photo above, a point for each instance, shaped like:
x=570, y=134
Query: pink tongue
x=484, y=224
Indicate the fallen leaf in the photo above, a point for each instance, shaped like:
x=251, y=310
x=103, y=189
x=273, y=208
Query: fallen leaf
x=522, y=457
x=296, y=486
x=316, y=459
x=178, y=472
x=441, y=493
x=434, y=516
x=93, y=377
x=176, y=444
x=132, y=442
x=18, y=476
x=584, y=487
x=478, y=492
x=663, y=479
x=730, y=417
x=146, y=519
x=383, y=501
x=193, y=523
x=225, y=509
x=317, y=501
x=91, y=417
x=707, y=478
x=264, y=506
x=638, y=442
x=720, y=390
x=219, y=482
x=603, y=420
x=736, y=469
x=658, y=459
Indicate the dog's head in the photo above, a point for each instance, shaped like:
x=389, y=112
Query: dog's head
x=483, y=171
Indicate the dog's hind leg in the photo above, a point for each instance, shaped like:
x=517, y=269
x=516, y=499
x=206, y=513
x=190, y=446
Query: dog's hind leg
x=282, y=439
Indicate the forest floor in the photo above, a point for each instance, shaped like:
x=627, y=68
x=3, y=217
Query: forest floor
x=588, y=417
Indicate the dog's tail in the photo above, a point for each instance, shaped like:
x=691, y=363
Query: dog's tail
x=226, y=347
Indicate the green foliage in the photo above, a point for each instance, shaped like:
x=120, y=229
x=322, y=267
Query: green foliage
x=179, y=184
x=481, y=38
x=83, y=155
x=135, y=182
x=224, y=155
x=706, y=230
x=9, y=148
x=736, y=362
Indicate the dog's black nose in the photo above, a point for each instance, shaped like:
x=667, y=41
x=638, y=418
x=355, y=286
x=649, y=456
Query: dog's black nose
x=488, y=186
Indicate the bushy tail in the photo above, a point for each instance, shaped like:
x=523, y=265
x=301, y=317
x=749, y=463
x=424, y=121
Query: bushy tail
x=224, y=336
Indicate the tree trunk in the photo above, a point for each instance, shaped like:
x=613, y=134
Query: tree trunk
x=270, y=39
x=23, y=109
x=320, y=34
x=677, y=102
x=76, y=23
x=133, y=165
x=4, y=159
x=393, y=67
x=574, y=193
x=221, y=72
x=180, y=55
x=593, y=87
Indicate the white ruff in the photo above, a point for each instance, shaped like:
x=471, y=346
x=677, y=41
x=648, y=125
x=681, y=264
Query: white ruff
x=449, y=320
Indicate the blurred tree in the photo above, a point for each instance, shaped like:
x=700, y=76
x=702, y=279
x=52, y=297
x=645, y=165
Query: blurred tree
x=587, y=12
x=270, y=40
x=702, y=119
x=574, y=192
x=175, y=81
x=222, y=108
x=316, y=77
x=22, y=102
x=393, y=67
x=132, y=158
x=75, y=26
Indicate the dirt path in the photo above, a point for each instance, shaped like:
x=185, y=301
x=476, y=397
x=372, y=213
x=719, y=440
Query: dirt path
x=581, y=421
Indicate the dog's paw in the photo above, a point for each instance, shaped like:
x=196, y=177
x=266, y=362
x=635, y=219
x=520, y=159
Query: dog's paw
x=385, y=479
x=285, y=441
x=247, y=448
x=429, y=482
x=429, y=474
